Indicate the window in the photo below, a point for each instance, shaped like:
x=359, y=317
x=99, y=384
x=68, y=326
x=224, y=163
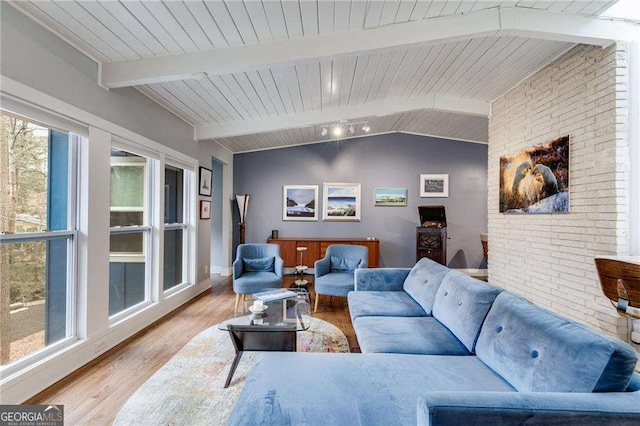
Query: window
x=37, y=237
x=175, y=228
x=130, y=238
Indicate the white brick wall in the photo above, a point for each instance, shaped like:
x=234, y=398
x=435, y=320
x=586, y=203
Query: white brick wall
x=549, y=258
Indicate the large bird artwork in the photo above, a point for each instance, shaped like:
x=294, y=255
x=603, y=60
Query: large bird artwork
x=536, y=180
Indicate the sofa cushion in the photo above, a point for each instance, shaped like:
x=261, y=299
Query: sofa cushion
x=462, y=303
x=335, y=284
x=253, y=282
x=406, y=335
x=344, y=264
x=538, y=351
x=352, y=389
x=383, y=303
x=262, y=264
x=423, y=282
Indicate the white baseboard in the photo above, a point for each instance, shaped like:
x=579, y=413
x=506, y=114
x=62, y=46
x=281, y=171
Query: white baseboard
x=220, y=270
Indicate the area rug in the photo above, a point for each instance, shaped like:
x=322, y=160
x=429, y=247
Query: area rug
x=188, y=390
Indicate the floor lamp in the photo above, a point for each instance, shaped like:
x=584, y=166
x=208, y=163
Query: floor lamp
x=243, y=204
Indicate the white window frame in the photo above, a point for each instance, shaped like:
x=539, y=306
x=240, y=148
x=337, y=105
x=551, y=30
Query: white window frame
x=71, y=235
x=188, y=177
x=151, y=166
x=133, y=257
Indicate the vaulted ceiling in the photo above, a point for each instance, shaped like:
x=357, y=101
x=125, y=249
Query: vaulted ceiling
x=263, y=74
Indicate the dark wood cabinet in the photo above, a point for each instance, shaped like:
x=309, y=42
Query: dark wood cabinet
x=317, y=247
x=431, y=242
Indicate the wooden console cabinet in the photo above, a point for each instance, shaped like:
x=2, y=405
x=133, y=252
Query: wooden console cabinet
x=317, y=247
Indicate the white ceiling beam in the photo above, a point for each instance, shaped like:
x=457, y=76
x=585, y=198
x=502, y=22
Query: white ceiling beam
x=244, y=58
x=496, y=21
x=366, y=111
x=540, y=24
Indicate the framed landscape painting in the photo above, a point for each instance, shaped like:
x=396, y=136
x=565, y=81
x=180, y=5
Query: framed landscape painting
x=392, y=197
x=341, y=202
x=434, y=185
x=299, y=202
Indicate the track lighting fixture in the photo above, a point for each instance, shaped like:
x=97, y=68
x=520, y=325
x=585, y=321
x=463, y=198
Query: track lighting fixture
x=339, y=129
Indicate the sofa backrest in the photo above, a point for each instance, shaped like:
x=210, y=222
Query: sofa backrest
x=461, y=305
x=538, y=351
x=423, y=282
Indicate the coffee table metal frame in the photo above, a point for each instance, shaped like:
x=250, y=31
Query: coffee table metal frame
x=266, y=338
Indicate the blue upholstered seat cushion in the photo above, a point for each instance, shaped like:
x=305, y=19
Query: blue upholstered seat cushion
x=352, y=389
x=253, y=282
x=462, y=303
x=406, y=335
x=423, y=282
x=335, y=284
x=538, y=351
x=259, y=265
x=383, y=303
x=344, y=264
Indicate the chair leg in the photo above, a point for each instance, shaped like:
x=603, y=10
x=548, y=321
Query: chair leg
x=315, y=309
x=235, y=309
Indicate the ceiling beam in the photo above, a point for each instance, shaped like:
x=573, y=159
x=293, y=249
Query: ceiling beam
x=244, y=58
x=489, y=22
x=365, y=111
x=540, y=24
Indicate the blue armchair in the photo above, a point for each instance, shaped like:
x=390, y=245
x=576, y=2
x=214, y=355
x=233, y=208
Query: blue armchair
x=257, y=267
x=334, y=273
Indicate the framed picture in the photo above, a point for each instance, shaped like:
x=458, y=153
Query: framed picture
x=536, y=180
x=299, y=202
x=392, y=197
x=341, y=202
x=205, y=209
x=434, y=185
x=204, y=188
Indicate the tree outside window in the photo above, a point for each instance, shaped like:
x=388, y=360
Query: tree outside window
x=34, y=177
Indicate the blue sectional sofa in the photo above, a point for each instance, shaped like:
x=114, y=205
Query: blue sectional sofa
x=441, y=348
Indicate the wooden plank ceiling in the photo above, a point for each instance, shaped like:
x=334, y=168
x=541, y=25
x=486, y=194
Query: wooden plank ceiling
x=474, y=69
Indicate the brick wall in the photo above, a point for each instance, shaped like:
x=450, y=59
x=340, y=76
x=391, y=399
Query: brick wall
x=549, y=258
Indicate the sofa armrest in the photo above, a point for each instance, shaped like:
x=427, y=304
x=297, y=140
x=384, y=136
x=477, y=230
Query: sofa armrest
x=237, y=268
x=516, y=408
x=322, y=267
x=380, y=279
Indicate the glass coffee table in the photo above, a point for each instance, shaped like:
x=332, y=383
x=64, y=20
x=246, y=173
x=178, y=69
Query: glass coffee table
x=273, y=329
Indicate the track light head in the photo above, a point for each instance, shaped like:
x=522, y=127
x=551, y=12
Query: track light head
x=337, y=131
x=324, y=131
x=351, y=129
x=366, y=128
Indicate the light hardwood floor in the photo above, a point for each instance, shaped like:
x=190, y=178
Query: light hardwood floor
x=95, y=393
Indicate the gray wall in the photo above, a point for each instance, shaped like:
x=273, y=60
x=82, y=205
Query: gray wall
x=217, y=259
x=38, y=59
x=393, y=160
